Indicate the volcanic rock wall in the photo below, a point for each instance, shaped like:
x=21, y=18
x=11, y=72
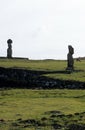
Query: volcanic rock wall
x=22, y=78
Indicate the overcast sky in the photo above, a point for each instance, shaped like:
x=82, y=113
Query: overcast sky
x=42, y=29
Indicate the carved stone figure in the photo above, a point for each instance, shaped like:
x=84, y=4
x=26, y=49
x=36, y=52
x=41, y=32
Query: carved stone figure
x=70, y=61
x=9, y=49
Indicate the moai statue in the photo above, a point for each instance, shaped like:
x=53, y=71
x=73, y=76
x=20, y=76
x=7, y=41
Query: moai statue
x=70, y=61
x=9, y=50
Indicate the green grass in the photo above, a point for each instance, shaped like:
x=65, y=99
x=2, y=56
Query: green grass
x=19, y=105
x=49, y=66
x=76, y=76
x=33, y=104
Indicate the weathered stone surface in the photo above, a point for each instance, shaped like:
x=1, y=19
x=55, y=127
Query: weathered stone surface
x=9, y=50
x=70, y=61
x=21, y=78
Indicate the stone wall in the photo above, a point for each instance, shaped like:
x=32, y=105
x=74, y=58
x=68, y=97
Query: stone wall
x=21, y=78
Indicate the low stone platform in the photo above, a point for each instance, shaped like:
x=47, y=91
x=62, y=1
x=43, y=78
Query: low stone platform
x=21, y=58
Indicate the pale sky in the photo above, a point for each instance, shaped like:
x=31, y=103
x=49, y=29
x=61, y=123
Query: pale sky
x=42, y=29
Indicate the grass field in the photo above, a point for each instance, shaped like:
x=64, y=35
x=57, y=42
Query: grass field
x=48, y=65
x=23, y=109
x=22, y=105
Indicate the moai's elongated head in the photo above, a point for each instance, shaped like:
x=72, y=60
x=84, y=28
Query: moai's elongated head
x=9, y=49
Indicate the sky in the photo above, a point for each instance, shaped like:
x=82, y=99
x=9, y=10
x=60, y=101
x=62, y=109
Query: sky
x=42, y=29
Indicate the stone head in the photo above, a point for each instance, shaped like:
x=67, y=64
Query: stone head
x=71, y=49
x=9, y=41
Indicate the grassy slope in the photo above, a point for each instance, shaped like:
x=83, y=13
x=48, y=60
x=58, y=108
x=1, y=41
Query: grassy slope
x=26, y=104
x=48, y=65
x=33, y=104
